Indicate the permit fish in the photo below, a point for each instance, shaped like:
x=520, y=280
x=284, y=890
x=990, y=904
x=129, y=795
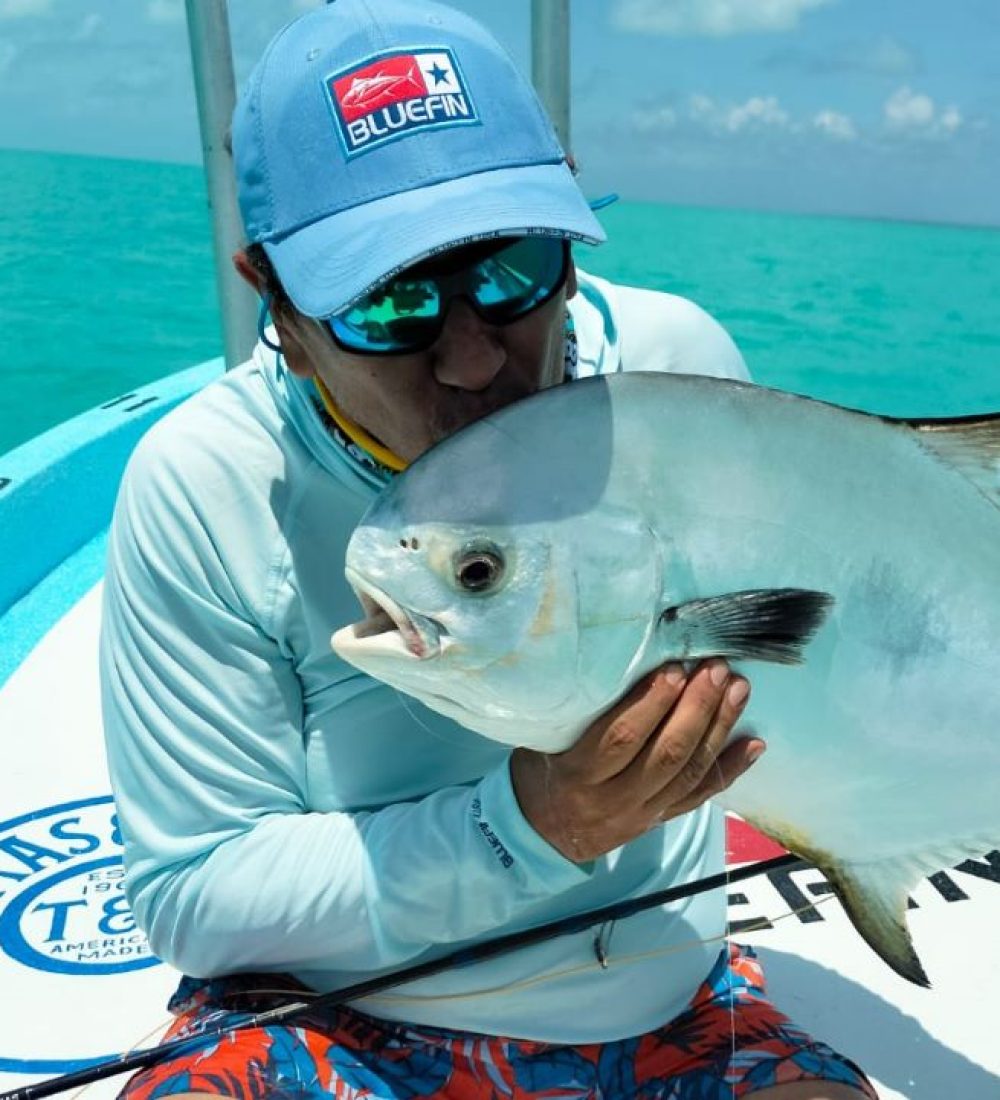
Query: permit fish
x=522, y=575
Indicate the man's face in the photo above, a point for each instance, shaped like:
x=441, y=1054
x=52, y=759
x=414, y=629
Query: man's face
x=410, y=402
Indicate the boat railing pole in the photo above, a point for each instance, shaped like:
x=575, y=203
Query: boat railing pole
x=215, y=89
x=550, y=62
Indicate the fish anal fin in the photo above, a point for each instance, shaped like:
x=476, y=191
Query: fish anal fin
x=970, y=444
x=875, y=897
x=875, y=893
x=767, y=624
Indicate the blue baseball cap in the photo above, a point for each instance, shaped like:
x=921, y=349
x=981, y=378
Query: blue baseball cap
x=375, y=133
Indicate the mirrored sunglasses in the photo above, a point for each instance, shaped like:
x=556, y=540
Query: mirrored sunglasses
x=408, y=313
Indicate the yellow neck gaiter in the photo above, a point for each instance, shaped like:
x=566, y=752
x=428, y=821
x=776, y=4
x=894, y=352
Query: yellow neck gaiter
x=356, y=433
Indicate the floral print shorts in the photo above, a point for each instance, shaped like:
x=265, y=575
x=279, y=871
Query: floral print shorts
x=706, y=1053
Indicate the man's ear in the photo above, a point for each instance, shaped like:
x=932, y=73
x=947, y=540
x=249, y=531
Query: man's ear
x=296, y=335
x=284, y=318
x=241, y=261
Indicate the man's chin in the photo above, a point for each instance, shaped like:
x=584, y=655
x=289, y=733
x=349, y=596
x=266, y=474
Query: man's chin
x=462, y=419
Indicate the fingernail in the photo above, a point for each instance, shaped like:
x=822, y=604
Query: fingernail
x=674, y=674
x=718, y=672
x=737, y=693
x=755, y=753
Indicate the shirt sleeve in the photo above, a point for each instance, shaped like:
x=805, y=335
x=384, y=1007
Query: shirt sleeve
x=228, y=867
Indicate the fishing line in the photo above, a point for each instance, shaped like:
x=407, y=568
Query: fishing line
x=143, y=1059
x=164, y=1025
x=161, y=1027
x=727, y=939
x=620, y=960
x=406, y=702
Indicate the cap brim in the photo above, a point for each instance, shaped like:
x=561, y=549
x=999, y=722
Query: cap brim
x=327, y=265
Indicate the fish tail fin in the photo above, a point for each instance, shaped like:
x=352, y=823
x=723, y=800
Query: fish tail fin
x=875, y=898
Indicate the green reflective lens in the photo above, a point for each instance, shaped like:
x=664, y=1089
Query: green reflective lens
x=518, y=279
x=408, y=313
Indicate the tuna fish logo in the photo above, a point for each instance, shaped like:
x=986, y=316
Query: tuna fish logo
x=368, y=93
x=392, y=95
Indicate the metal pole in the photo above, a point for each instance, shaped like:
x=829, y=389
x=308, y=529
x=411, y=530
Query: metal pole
x=550, y=61
x=215, y=88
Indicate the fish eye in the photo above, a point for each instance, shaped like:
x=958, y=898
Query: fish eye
x=479, y=568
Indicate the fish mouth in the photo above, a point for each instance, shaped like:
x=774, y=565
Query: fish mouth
x=387, y=628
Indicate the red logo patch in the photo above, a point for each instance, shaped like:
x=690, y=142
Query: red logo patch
x=396, y=94
x=391, y=80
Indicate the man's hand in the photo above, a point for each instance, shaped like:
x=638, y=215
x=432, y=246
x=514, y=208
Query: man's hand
x=656, y=754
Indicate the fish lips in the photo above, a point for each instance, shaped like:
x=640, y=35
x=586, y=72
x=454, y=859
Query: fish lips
x=388, y=629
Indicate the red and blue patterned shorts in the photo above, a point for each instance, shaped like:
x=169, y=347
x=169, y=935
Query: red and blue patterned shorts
x=706, y=1053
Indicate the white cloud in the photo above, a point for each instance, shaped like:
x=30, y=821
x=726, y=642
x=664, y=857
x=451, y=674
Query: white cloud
x=908, y=115
x=711, y=17
x=14, y=9
x=757, y=112
x=701, y=107
x=915, y=114
x=701, y=111
x=165, y=11
x=887, y=57
x=655, y=120
x=834, y=125
x=951, y=119
x=906, y=108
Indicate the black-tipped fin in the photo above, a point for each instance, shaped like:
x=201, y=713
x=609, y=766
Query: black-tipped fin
x=875, y=893
x=768, y=624
x=875, y=896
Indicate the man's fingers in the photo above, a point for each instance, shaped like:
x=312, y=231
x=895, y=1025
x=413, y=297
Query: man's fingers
x=654, y=755
x=691, y=738
x=734, y=761
x=614, y=741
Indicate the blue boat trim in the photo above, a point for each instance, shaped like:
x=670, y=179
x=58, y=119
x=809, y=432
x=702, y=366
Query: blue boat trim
x=57, y=493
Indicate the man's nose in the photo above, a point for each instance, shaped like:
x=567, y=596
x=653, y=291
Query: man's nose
x=469, y=353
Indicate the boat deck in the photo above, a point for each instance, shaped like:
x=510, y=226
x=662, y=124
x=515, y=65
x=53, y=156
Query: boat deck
x=79, y=982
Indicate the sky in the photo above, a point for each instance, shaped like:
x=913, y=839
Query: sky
x=872, y=108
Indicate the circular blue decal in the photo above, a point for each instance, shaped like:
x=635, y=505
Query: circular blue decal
x=62, y=906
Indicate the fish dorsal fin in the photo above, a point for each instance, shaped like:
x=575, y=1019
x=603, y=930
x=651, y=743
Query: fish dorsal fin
x=971, y=444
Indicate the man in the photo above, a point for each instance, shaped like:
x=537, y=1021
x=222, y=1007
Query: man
x=292, y=826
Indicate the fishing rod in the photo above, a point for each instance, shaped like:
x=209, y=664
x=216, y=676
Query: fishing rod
x=150, y=1056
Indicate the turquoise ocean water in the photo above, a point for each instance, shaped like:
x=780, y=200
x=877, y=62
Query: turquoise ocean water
x=107, y=284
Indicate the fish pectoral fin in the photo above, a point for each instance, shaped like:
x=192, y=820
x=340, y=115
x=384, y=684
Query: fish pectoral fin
x=971, y=444
x=767, y=624
x=875, y=897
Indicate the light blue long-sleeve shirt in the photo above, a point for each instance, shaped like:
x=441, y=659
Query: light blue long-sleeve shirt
x=282, y=811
